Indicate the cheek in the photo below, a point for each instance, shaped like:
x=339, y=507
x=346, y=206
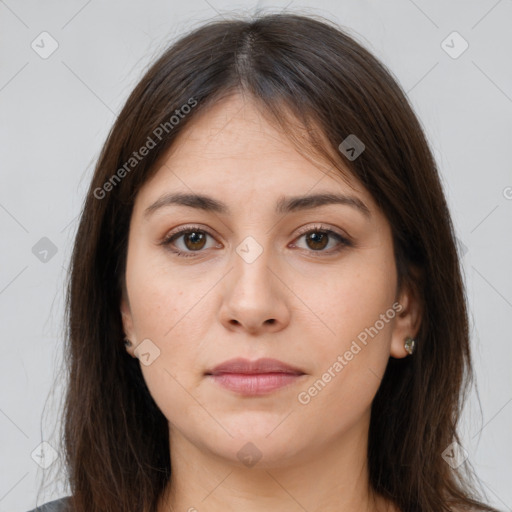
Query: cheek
x=351, y=299
x=156, y=292
x=168, y=317
x=352, y=353
x=173, y=320
x=169, y=308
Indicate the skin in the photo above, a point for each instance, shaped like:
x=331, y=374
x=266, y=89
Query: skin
x=205, y=309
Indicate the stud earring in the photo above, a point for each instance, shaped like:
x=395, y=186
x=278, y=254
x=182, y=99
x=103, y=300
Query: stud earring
x=409, y=345
x=127, y=342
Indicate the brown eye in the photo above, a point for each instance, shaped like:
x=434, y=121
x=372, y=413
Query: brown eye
x=194, y=240
x=317, y=240
x=187, y=241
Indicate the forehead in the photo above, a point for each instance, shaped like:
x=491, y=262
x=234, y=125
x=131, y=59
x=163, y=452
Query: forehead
x=231, y=150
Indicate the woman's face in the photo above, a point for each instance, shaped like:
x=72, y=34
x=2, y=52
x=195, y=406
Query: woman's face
x=309, y=283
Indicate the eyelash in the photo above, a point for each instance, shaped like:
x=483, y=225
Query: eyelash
x=343, y=241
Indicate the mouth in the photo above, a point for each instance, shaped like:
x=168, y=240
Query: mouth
x=254, y=378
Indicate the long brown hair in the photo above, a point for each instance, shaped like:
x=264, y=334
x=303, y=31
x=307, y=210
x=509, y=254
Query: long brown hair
x=298, y=68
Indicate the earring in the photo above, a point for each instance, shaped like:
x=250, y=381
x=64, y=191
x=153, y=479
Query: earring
x=127, y=342
x=409, y=345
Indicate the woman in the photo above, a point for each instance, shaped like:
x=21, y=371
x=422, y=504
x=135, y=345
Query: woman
x=266, y=309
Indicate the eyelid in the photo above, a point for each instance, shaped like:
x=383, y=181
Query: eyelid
x=344, y=240
x=181, y=230
x=302, y=231
x=323, y=227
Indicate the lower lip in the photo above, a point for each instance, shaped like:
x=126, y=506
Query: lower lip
x=254, y=384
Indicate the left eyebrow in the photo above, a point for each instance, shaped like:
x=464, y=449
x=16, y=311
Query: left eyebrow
x=283, y=205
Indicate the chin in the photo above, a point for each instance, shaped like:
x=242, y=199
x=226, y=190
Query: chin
x=253, y=446
x=261, y=454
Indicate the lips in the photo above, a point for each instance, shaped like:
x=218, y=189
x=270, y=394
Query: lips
x=254, y=378
x=260, y=366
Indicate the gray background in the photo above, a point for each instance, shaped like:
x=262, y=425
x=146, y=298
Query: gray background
x=56, y=113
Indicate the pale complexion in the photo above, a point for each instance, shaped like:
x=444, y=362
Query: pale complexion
x=299, y=301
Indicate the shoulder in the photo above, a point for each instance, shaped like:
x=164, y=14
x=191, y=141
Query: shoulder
x=60, y=505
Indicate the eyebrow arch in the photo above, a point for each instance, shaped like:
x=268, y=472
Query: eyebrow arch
x=283, y=205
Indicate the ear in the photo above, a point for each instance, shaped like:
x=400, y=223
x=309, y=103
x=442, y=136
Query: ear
x=408, y=318
x=128, y=328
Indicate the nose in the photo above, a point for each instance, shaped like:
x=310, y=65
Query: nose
x=255, y=298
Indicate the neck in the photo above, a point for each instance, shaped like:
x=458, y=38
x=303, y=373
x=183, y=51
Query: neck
x=333, y=478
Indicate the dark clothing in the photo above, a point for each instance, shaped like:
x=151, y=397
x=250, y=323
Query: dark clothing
x=60, y=505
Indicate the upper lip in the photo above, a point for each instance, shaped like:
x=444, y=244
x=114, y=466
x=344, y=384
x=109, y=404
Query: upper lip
x=245, y=366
